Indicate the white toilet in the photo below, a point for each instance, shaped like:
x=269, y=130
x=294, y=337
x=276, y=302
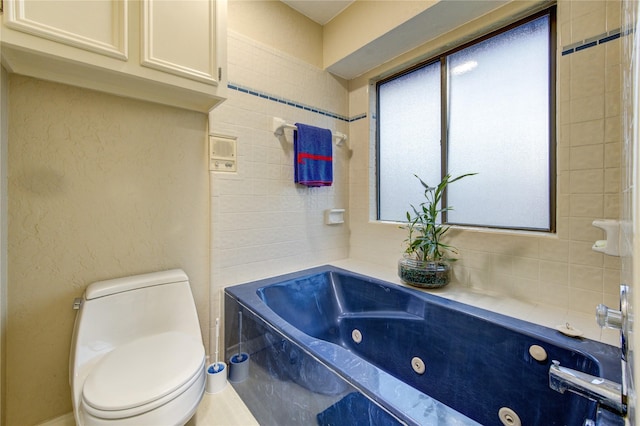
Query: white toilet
x=137, y=356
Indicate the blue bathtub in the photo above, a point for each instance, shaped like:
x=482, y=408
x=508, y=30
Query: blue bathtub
x=332, y=347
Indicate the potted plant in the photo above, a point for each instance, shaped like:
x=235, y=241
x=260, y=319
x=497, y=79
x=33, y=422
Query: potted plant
x=426, y=259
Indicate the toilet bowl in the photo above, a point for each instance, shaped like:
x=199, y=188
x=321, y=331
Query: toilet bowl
x=137, y=356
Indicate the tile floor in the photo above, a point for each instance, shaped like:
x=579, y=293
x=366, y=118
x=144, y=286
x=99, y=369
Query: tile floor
x=224, y=408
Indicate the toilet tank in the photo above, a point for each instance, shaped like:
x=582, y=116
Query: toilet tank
x=115, y=312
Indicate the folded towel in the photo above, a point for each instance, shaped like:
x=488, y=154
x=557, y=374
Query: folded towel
x=312, y=148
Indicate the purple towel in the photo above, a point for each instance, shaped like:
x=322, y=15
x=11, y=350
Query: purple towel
x=313, y=162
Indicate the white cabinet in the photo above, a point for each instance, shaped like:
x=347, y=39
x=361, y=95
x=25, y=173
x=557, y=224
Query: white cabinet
x=166, y=51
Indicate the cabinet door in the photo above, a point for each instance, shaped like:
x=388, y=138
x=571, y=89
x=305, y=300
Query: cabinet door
x=179, y=37
x=98, y=26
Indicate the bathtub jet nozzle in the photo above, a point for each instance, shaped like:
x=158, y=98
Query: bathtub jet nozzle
x=597, y=389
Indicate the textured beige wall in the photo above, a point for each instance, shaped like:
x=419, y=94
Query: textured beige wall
x=277, y=25
x=3, y=232
x=99, y=187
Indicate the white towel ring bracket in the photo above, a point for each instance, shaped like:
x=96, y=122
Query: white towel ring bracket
x=279, y=125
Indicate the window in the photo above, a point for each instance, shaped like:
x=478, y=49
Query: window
x=484, y=108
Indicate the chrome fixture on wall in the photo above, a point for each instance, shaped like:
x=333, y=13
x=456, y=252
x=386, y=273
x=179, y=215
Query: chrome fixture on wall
x=605, y=392
x=617, y=320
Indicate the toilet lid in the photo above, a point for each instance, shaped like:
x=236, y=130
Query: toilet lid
x=143, y=371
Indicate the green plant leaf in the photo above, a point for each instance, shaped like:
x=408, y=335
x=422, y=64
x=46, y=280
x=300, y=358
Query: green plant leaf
x=424, y=231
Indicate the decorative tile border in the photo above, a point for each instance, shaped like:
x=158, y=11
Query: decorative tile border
x=289, y=102
x=591, y=42
x=566, y=50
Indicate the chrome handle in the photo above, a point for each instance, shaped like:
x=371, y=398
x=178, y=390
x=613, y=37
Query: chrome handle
x=608, y=318
x=620, y=320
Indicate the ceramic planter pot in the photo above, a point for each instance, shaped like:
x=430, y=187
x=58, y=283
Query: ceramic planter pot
x=424, y=274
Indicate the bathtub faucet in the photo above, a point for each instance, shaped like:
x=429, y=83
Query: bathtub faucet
x=610, y=394
x=601, y=390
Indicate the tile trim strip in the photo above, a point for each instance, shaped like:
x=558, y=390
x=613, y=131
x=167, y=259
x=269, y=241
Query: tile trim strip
x=566, y=50
x=289, y=102
x=591, y=42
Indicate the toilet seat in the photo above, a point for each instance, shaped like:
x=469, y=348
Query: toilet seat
x=143, y=375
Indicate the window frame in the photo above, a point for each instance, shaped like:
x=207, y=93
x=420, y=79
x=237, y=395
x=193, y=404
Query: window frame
x=444, y=97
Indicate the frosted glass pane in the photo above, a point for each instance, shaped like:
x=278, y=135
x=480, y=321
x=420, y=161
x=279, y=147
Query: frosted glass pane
x=409, y=135
x=499, y=128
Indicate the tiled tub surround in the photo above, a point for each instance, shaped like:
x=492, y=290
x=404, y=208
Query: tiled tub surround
x=557, y=270
x=327, y=342
x=591, y=42
x=249, y=209
x=262, y=223
x=566, y=50
x=292, y=103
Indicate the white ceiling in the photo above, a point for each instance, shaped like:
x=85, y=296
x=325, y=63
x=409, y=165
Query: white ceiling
x=320, y=11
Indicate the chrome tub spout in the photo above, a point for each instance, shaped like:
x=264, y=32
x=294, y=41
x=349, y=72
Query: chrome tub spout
x=601, y=390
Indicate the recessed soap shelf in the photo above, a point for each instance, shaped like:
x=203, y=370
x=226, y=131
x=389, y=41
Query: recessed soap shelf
x=334, y=216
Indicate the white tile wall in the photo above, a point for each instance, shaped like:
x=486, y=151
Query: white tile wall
x=262, y=223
